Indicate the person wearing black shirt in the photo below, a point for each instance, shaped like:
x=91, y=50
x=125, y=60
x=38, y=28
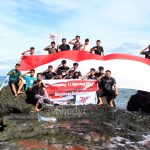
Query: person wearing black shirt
x=106, y=85
x=100, y=72
x=70, y=75
x=75, y=68
x=58, y=76
x=63, y=68
x=92, y=74
x=146, y=53
x=39, y=91
x=76, y=75
x=64, y=46
x=98, y=49
x=49, y=74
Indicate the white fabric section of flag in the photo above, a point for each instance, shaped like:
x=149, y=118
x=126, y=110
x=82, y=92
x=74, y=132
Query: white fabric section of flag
x=128, y=74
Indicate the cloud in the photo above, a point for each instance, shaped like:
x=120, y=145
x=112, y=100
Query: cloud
x=128, y=48
x=122, y=26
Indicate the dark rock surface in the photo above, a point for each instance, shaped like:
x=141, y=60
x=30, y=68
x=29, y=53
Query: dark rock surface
x=139, y=102
x=91, y=127
x=88, y=127
x=9, y=104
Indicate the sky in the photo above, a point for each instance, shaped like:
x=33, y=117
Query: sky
x=123, y=26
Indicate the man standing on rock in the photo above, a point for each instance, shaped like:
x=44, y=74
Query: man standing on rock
x=108, y=88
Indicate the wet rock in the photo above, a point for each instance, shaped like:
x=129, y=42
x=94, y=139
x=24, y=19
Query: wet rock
x=139, y=102
x=77, y=127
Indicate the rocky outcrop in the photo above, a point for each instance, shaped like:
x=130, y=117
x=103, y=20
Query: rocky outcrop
x=9, y=104
x=88, y=127
x=91, y=127
x=139, y=102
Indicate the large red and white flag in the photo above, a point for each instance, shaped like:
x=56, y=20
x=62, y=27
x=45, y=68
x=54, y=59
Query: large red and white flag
x=130, y=71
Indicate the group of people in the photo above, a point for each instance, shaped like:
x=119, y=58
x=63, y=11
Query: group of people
x=77, y=45
x=36, y=89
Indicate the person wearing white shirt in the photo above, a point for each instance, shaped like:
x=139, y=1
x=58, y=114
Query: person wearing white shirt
x=86, y=47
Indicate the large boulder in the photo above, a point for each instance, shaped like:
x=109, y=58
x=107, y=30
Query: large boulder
x=139, y=102
x=9, y=104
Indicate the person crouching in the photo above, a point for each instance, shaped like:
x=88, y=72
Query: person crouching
x=107, y=87
x=39, y=92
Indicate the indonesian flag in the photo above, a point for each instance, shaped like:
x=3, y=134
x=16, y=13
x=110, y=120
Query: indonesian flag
x=130, y=71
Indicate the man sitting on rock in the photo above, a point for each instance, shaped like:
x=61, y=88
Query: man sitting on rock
x=29, y=81
x=14, y=80
x=106, y=85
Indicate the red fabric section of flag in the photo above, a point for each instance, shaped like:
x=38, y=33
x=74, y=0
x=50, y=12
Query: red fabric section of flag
x=30, y=62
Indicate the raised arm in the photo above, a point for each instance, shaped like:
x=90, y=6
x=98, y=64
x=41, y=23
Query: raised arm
x=46, y=48
x=85, y=76
x=72, y=41
x=57, y=68
x=25, y=74
x=67, y=72
x=26, y=51
x=142, y=52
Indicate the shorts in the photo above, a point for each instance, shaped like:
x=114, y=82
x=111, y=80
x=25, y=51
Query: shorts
x=40, y=98
x=109, y=94
x=15, y=82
